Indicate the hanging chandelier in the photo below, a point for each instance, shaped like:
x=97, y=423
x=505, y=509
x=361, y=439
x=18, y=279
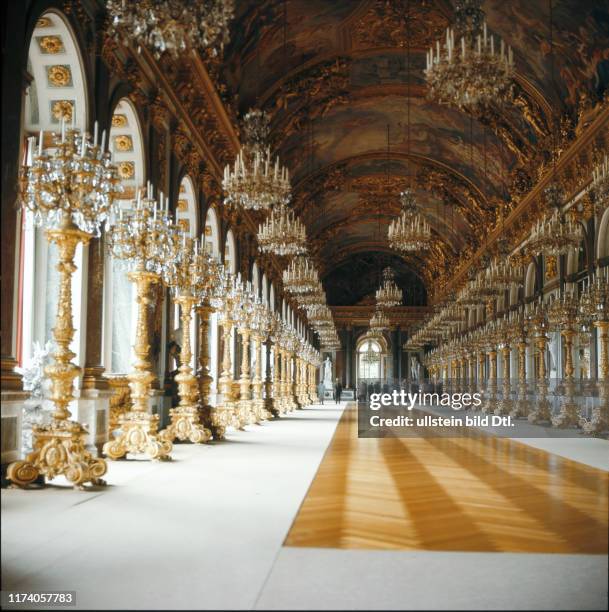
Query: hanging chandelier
x=370, y=355
x=172, y=26
x=388, y=294
x=254, y=182
x=410, y=231
x=379, y=322
x=300, y=276
x=600, y=183
x=282, y=233
x=554, y=234
x=474, y=72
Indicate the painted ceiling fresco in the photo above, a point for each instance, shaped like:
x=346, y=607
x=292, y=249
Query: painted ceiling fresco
x=343, y=81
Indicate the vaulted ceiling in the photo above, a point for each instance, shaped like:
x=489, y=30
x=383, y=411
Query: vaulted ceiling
x=343, y=81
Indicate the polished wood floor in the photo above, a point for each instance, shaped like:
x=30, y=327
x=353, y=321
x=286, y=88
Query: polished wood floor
x=469, y=493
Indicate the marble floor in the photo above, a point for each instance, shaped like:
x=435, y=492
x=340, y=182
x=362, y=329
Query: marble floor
x=208, y=531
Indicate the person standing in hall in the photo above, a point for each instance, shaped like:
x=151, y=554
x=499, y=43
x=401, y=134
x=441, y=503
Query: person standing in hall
x=338, y=389
x=320, y=391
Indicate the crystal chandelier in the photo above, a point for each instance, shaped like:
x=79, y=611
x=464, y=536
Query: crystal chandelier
x=389, y=294
x=282, y=233
x=371, y=356
x=554, y=235
x=476, y=71
x=74, y=182
x=600, y=183
x=173, y=26
x=379, y=322
x=300, y=276
x=410, y=231
x=254, y=182
x=144, y=237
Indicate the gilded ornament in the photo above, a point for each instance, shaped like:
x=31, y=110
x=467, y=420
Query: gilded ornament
x=62, y=109
x=126, y=170
x=119, y=120
x=59, y=75
x=123, y=143
x=50, y=44
x=44, y=22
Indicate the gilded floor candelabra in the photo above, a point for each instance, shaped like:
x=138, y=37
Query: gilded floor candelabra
x=596, y=306
x=141, y=237
x=518, y=335
x=491, y=391
x=70, y=191
x=204, y=311
x=506, y=405
x=188, y=275
x=259, y=326
x=269, y=379
x=542, y=411
x=223, y=299
x=562, y=316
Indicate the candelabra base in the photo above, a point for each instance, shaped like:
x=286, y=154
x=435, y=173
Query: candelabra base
x=243, y=414
x=490, y=404
x=504, y=407
x=217, y=419
x=259, y=411
x=59, y=449
x=542, y=412
x=598, y=424
x=186, y=426
x=521, y=409
x=139, y=436
x=568, y=416
x=270, y=407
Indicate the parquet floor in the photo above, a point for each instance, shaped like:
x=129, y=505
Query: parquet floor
x=468, y=493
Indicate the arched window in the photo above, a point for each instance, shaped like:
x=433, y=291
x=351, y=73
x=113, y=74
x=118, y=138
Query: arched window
x=230, y=252
x=602, y=239
x=369, y=361
x=186, y=209
x=211, y=235
x=120, y=308
x=265, y=290
x=56, y=91
x=256, y=279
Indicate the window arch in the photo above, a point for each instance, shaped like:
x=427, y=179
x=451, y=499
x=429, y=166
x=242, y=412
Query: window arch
x=212, y=233
x=57, y=91
x=264, y=290
x=256, y=279
x=127, y=146
x=120, y=308
x=529, y=285
x=602, y=244
x=370, y=360
x=230, y=252
x=186, y=209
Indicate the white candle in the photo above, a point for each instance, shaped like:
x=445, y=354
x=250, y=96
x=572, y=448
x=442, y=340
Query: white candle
x=103, y=141
x=484, y=32
x=95, y=128
x=40, y=141
x=29, y=152
x=462, y=48
x=161, y=196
